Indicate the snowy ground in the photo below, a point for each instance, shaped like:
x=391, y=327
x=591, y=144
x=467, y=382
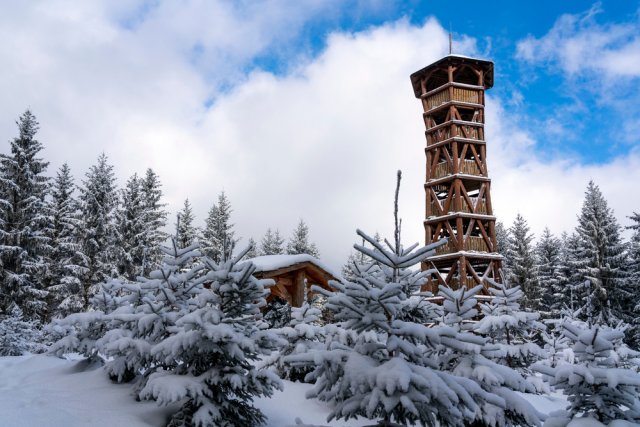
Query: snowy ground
x=39, y=390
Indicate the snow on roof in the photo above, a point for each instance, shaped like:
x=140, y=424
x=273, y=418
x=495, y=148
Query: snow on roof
x=276, y=262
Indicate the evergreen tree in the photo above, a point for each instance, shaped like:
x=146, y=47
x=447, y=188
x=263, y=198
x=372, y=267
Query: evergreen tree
x=553, y=285
x=24, y=219
x=131, y=226
x=18, y=336
x=218, y=236
x=272, y=243
x=253, y=249
x=299, y=242
x=385, y=372
x=502, y=240
x=633, y=281
x=522, y=269
x=601, y=259
x=155, y=217
x=186, y=232
x=596, y=387
x=97, y=232
x=214, y=348
x=512, y=330
x=65, y=256
x=569, y=271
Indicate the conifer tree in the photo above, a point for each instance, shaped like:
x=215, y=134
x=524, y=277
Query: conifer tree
x=186, y=232
x=511, y=329
x=213, y=349
x=272, y=243
x=97, y=232
x=299, y=242
x=553, y=284
x=17, y=335
x=65, y=256
x=131, y=226
x=155, y=217
x=24, y=219
x=600, y=263
x=253, y=248
x=596, y=386
x=522, y=269
x=385, y=372
x=218, y=238
x=502, y=240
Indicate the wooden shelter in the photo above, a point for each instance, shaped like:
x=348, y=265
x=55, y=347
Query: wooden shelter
x=458, y=196
x=292, y=273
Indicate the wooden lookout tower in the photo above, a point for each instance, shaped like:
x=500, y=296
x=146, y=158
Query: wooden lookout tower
x=458, y=196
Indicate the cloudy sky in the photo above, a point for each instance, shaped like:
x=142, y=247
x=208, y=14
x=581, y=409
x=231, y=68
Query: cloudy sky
x=304, y=109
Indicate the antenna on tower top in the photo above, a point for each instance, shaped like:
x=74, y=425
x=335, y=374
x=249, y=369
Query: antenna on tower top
x=450, y=39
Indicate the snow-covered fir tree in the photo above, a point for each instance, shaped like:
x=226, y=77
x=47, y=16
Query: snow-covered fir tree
x=595, y=386
x=277, y=313
x=218, y=239
x=97, y=234
x=17, y=335
x=299, y=242
x=383, y=373
x=522, y=265
x=600, y=263
x=272, y=243
x=186, y=232
x=349, y=269
x=63, y=279
x=155, y=220
x=131, y=230
x=556, y=345
x=472, y=357
x=253, y=248
x=303, y=334
x=510, y=328
x=553, y=285
x=24, y=219
x=569, y=271
x=213, y=349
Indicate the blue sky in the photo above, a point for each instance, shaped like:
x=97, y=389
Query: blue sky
x=303, y=109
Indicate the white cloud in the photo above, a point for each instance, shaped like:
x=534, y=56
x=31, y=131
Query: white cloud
x=321, y=142
x=579, y=45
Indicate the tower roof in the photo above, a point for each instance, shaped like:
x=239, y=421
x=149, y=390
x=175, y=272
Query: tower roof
x=486, y=66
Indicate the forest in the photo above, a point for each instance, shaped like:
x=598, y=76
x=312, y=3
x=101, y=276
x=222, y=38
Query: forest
x=175, y=309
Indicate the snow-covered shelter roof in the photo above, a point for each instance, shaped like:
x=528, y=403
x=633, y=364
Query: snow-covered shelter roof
x=292, y=274
x=276, y=262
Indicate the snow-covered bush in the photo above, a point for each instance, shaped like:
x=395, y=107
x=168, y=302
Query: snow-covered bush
x=595, y=386
x=277, y=314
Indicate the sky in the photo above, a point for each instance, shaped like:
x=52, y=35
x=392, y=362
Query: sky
x=304, y=109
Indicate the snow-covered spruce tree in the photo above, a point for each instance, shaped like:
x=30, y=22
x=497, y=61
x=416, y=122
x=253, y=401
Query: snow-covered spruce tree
x=186, y=232
x=277, y=313
x=383, y=372
x=502, y=239
x=272, y=243
x=63, y=279
x=299, y=242
x=511, y=329
x=303, y=334
x=155, y=218
x=569, y=301
x=469, y=355
x=253, y=248
x=18, y=336
x=147, y=313
x=214, y=349
x=553, y=284
x=131, y=229
x=594, y=386
x=218, y=239
x=600, y=263
x=349, y=269
x=633, y=279
x=97, y=232
x=23, y=214
x=556, y=345
x=522, y=263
